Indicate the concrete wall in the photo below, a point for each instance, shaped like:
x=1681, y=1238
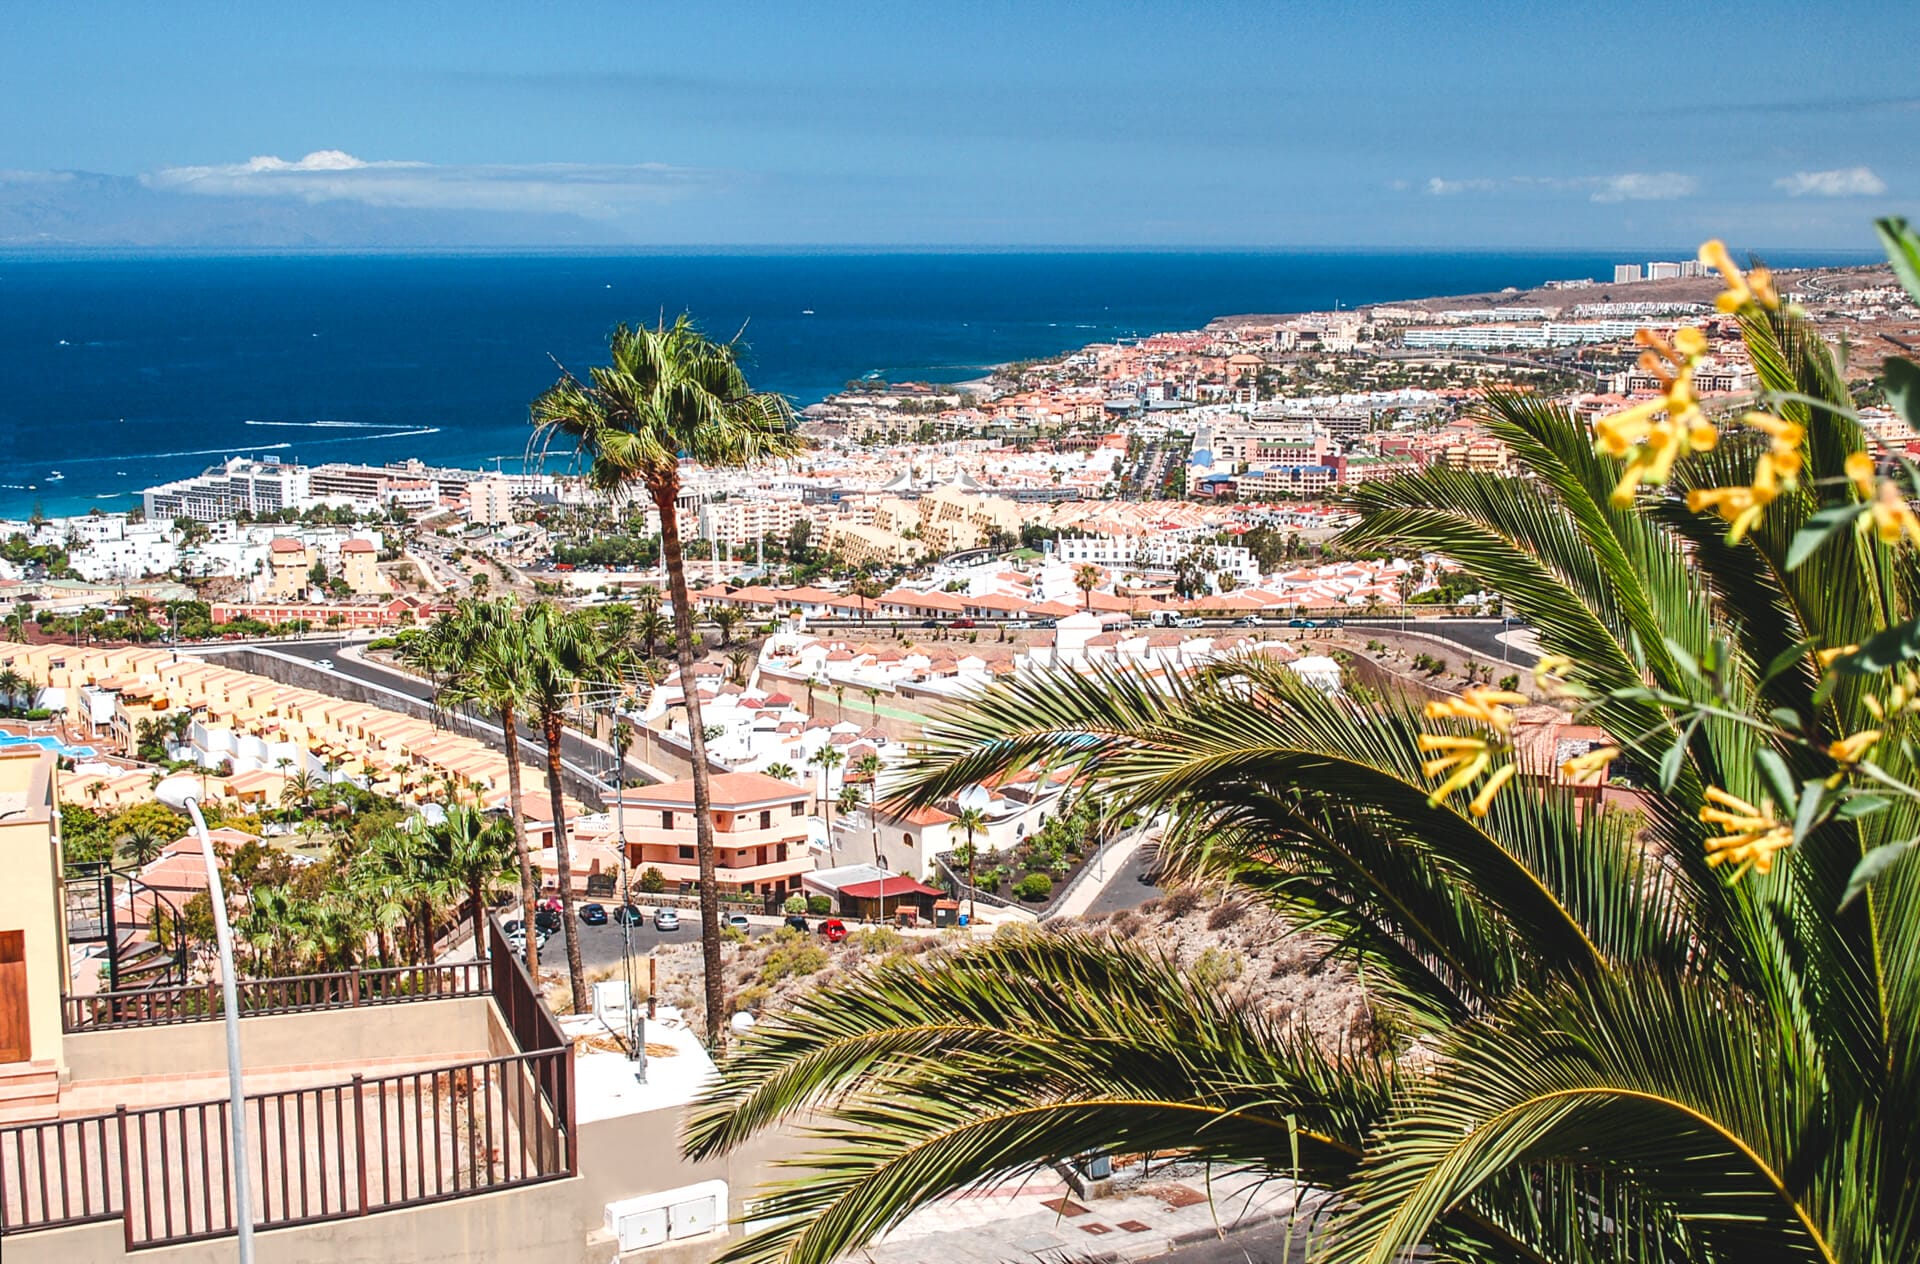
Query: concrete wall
x=419, y=1030
x=30, y=899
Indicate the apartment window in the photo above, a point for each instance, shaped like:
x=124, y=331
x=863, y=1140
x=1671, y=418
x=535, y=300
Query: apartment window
x=666, y=820
x=799, y=809
x=766, y=819
x=686, y=853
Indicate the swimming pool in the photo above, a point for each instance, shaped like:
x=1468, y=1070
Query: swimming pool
x=53, y=744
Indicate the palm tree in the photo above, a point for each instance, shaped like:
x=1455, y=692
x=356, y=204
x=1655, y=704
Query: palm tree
x=477, y=850
x=726, y=619
x=12, y=685
x=867, y=768
x=566, y=654
x=1086, y=577
x=301, y=789
x=142, y=844
x=670, y=393
x=867, y=588
x=1620, y=1053
x=782, y=771
x=826, y=759
x=651, y=627
x=476, y=654
x=971, y=821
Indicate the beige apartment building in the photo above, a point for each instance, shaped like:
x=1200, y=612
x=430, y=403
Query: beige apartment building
x=420, y=1113
x=289, y=567
x=490, y=502
x=759, y=832
x=358, y=568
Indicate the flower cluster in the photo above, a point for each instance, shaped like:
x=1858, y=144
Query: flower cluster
x=1463, y=757
x=1742, y=287
x=1754, y=834
x=1777, y=470
x=1653, y=434
x=1888, y=512
x=1587, y=769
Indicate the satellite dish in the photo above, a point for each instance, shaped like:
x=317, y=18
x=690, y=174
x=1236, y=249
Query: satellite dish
x=975, y=798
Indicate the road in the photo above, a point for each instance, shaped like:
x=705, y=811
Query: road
x=1131, y=887
x=601, y=945
x=588, y=757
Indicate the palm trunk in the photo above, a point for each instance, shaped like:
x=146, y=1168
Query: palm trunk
x=509, y=725
x=716, y=984
x=563, y=861
x=479, y=919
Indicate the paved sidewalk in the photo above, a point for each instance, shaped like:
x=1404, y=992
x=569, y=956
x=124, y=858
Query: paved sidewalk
x=1043, y=1222
x=1087, y=887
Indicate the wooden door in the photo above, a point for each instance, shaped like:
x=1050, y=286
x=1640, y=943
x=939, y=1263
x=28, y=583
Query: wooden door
x=14, y=1043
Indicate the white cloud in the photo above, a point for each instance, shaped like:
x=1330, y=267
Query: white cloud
x=1640, y=186
x=1633, y=186
x=329, y=175
x=1844, y=182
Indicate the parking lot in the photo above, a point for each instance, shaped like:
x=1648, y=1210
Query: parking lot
x=601, y=945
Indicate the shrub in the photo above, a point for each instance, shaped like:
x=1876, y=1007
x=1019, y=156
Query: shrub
x=1510, y=683
x=751, y=998
x=1216, y=967
x=819, y=905
x=796, y=903
x=876, y=939
x=652, y=881
x=796, y=957
x=732, y=935
x=1226, y=915
x=1180, y=902
x=1035, y=886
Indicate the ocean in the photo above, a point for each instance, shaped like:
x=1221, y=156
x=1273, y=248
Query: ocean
x=119, y=372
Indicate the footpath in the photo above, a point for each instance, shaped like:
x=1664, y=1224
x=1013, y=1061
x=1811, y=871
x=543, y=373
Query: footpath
x=1044, y=1221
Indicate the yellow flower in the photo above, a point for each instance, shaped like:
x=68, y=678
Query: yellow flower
x=1755, y=834
x=1827, y=656
x=1754, y=287
x=1656, y=432
x=1853, y=749
x=1483, y=801
x=1552, y=665
x=1482, y=705
x=1861, y=470
x=1892, y=517
x=1740, y=506
x=1586, y=770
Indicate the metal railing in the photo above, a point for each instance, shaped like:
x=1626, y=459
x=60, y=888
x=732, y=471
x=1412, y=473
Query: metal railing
x=293, y=994
x=323, y=1153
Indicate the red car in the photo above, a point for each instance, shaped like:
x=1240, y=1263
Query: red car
x=961, y=623
x=834, y=930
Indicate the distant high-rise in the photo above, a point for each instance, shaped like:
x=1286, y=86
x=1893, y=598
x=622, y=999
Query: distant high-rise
x=1625, y=272
x=1663, y=271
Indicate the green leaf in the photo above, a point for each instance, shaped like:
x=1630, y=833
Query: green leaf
x=1778, y=779
x=1808, y=814
x=1903, y=388
x=1819, y=529
x=1871, y=866
x=1862, y=803
x=1670, y=764
x=1686, y=662
x=1878, y=652
x=1785, y=659
x=1786, y=717
x=1903, y=252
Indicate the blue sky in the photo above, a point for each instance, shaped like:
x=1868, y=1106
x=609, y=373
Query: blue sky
x=1462, y=124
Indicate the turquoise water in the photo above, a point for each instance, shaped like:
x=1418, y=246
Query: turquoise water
x=53, y=744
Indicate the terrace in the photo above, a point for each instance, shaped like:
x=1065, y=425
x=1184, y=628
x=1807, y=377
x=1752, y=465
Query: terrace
x=366, y=1092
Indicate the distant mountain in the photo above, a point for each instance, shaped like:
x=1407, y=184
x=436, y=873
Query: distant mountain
x=84, y=209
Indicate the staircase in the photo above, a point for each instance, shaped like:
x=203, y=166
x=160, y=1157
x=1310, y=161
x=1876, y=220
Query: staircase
x=29, y=1092
x=115, y=908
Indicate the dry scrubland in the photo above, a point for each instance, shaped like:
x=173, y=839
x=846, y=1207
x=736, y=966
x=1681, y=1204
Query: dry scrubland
x=1246, y=952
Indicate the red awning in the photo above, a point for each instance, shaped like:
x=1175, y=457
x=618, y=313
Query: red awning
x=886, y=888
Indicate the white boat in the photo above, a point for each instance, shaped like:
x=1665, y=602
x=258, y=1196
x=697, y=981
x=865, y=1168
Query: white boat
x=54, y=476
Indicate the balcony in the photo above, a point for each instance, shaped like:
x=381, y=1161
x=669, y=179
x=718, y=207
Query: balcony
x=480, y=1099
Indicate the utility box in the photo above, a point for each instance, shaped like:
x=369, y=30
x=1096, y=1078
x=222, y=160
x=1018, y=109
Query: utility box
x=668, y=1216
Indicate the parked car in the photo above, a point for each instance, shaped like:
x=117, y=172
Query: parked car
x=513, y=926
x=833, y=930
x=1301, y=623
x=1020, y=623
x=1046, y=623
x=593, y=914
x=1333, y=623
x=547, y=919
x=1248, y=621
x=324, y=664
x=962, y=623
x=738, y=921
x=930, y=623
x=798, y=922
x=629, y=915
x=665, y=919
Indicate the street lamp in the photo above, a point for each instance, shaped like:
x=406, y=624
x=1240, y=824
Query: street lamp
x=230, y=998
